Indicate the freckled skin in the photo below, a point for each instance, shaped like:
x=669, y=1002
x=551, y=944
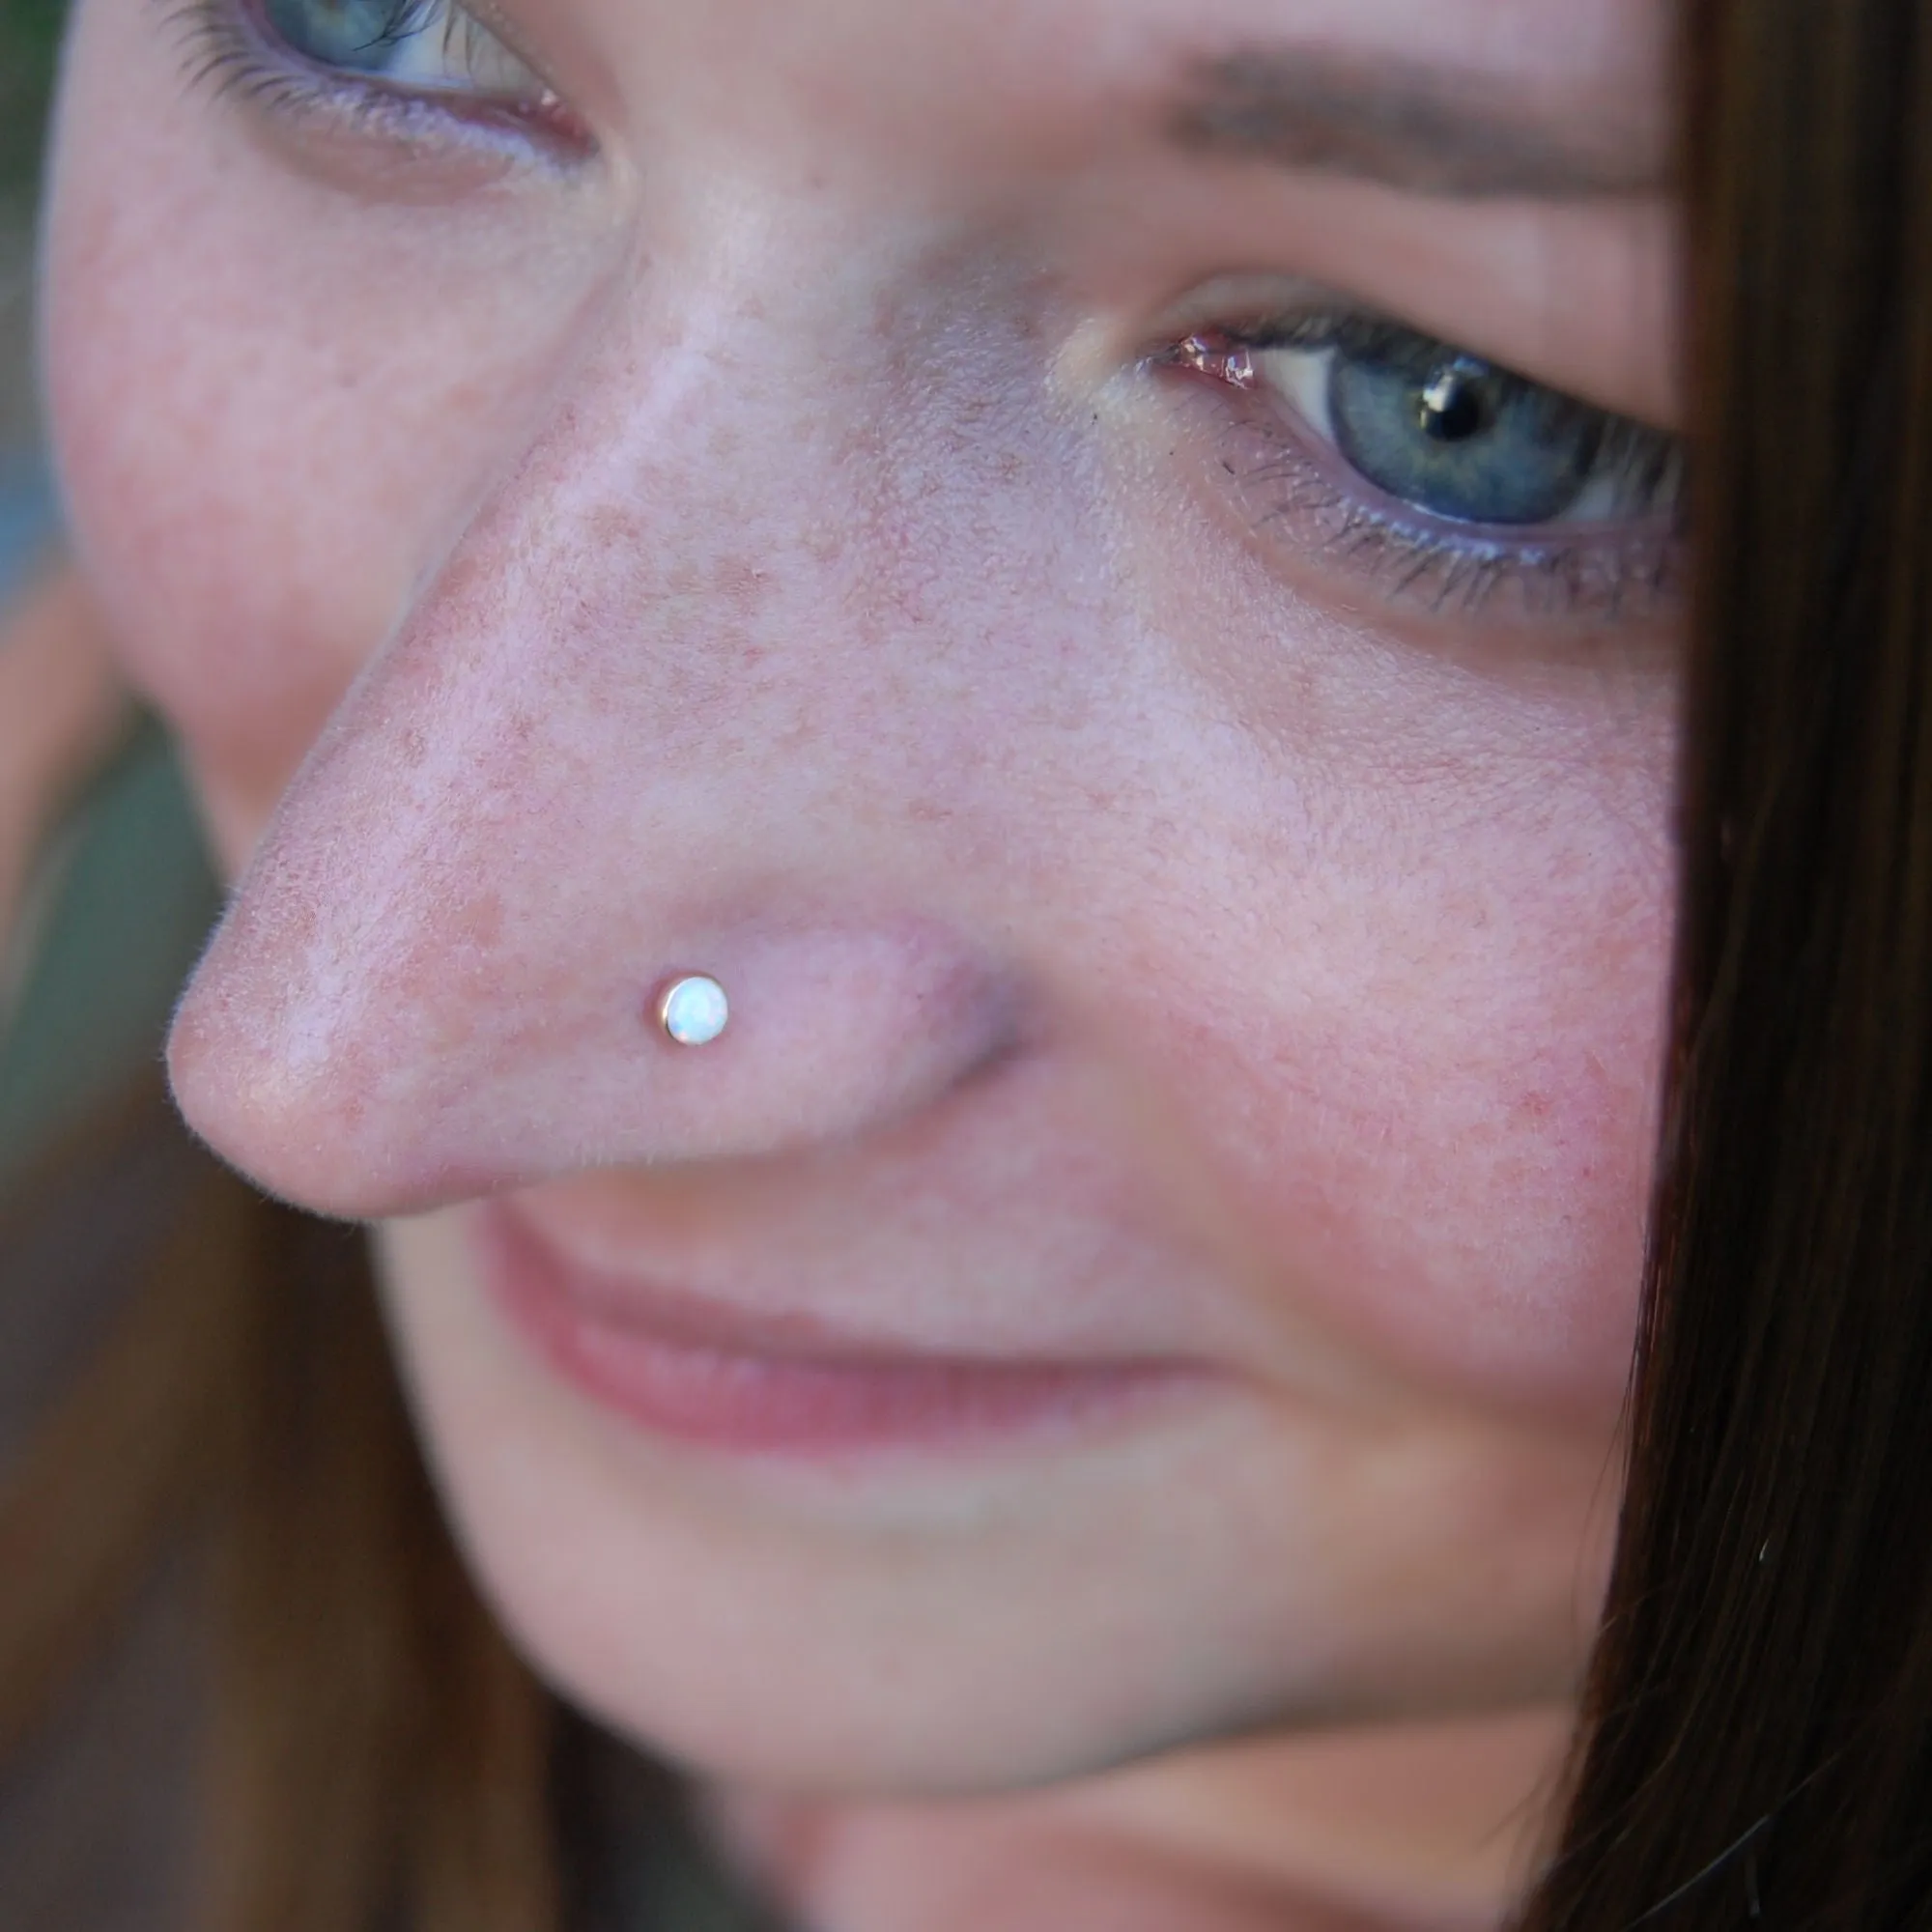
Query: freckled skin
x=723, y=559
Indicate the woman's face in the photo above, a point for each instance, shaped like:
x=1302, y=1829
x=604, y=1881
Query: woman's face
x=960, y=521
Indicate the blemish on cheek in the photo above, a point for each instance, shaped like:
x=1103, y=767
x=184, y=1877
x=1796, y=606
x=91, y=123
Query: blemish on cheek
x=459, y=579
x=741, y=582
x=481, y=923
x=610, y=529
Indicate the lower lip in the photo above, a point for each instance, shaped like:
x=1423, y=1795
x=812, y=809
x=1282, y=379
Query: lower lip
x=792, y=1405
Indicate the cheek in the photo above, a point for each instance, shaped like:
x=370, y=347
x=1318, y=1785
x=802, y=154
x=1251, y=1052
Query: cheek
x=1404, y=1003
x=1478, y=1188
x=1438, y=1120
x=271, y=405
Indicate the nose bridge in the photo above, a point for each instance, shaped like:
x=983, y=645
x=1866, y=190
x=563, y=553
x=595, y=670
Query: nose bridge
x=763, y=467
x=665, y=709
x=780, y=549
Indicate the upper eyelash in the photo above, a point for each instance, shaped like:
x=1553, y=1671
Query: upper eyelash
x=460, y=23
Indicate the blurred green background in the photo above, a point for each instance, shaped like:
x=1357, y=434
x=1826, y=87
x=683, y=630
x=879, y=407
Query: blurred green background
x=123, y=900
x=29, y=36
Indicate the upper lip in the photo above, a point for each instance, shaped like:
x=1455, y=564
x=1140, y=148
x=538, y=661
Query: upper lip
x=645, y=1302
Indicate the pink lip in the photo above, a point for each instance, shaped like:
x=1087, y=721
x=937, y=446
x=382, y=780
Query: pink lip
x=693, y=1370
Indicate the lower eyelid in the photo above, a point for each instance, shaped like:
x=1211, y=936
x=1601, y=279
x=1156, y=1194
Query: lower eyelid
x=227, y=52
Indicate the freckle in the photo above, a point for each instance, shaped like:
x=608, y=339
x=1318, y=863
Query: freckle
x=739, y=582
x=611, y=528
x=483, y=922
x=458, y=578
x=466, y=399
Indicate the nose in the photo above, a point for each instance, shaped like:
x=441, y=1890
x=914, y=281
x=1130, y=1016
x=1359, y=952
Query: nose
x=646, y=722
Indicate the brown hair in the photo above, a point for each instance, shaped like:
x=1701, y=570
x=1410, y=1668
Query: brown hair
x=1757, y=1738
x=376, y=1754
x=1757, y=1744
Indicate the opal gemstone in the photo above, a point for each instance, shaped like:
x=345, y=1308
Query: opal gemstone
x=694, y=1009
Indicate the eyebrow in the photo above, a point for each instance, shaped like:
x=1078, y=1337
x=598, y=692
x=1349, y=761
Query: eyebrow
x=1460, y=133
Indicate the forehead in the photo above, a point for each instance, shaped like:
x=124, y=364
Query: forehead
x=1046, y=73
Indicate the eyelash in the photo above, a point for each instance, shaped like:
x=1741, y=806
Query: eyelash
x=1299, y=488
x=226, y=51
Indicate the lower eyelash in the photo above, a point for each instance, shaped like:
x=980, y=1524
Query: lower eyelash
x=224, y=53
x=1613, y=579
x=1293, y=494
x=219, y=51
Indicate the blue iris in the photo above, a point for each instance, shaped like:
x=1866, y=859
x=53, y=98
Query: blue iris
x=359, y=35
x=1457, y=436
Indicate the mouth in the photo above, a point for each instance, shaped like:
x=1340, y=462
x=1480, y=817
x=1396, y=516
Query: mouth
x=783, y=1383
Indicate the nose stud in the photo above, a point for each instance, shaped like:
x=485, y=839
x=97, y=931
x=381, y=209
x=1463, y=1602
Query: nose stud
x=693, y=1009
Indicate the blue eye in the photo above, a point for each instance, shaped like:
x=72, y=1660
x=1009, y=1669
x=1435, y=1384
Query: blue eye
x=362, y=35
x=430, y=46
x=1458, y=439
x=1394, y=459
x=1452, y=434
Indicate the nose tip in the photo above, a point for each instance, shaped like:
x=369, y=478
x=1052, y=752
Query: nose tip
x=394, y=1091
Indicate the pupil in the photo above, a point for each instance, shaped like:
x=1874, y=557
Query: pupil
x=1452, y=407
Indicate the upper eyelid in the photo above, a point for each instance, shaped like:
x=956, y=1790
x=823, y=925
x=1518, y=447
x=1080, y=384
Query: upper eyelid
x=1249, y=300
x=1344, y=325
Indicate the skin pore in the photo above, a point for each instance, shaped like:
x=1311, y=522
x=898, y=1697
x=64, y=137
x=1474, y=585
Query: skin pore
x=818, y=492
